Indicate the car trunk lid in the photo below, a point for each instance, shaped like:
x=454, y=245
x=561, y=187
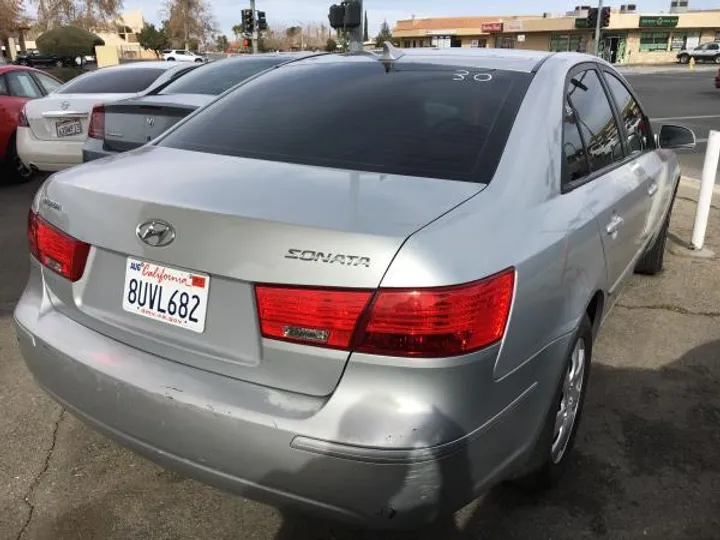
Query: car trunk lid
x=237, y=222
x=64, y=117
x=133, y=123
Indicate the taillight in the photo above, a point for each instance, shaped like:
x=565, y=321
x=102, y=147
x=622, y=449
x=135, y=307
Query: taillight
x=56, y=250
x=22, y=118
x=96, y=130
x=312, y=316
x=423, y=323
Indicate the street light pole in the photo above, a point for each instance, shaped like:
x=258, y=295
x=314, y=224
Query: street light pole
x=255, y=28
x=598, y=27
x=356, y=34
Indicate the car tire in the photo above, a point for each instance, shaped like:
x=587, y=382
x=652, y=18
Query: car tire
x=551, y=453
x=17, y=171
x=653, y=261
x=59, y=64
x=171, y=59
x=198, y=60
x=684, y=59
x=717, y=59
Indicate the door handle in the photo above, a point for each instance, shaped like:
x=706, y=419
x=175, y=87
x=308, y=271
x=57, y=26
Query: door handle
x=653, y=189
x=614, y=225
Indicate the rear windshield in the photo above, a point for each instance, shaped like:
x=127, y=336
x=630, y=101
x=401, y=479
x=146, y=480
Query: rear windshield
x=411, y=119
x=214, y=79
x=126, y=80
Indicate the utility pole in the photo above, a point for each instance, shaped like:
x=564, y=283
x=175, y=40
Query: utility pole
x=356, y=34
x=255, y=34
x=598, y=27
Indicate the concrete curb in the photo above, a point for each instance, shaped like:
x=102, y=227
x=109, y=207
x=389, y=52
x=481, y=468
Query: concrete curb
x=694, y=183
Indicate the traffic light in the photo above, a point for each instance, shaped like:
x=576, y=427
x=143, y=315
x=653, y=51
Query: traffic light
x=246, y=42
x=248, y=21
x=346, y=15
x=261, y=21
x=592, y=17
x=605, y=17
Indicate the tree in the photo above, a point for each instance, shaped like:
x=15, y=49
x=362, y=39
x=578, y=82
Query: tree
x=384, y=35
x=188, y=19
x=331, y=45
x=238, y=30
x=222, y=43
x=366, y=35
x=153, y=39
x=87, y=14
x=10, y=16
x=68, y=42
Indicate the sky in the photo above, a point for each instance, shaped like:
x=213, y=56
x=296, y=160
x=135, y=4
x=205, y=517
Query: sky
x=295, y=12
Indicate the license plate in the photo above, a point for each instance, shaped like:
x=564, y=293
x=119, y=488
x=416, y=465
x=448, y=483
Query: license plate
x=172, y=296
x=68, y=128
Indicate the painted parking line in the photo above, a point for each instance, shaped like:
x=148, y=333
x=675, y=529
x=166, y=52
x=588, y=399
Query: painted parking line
x=703, y=117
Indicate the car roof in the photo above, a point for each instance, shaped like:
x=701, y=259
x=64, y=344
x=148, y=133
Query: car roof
x=6, y=68
x=507, y=59
x=149, y=64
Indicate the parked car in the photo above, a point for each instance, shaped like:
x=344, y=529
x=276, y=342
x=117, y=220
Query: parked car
x=707, y=52
x=128, y=124
x=18, y=85
x=179, y=55
x=53, y=130
x=364, y=285
x=38, y=59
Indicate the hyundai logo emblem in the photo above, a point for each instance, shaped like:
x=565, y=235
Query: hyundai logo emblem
x=65, y=105
x=150, y=121
x=155, y=233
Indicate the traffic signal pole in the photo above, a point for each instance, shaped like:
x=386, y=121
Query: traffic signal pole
x=356, y=34
x=598, y=26
x=255, y=27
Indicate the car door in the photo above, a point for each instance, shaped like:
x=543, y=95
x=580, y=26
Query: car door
x=11, y=103
x=640, y=142
x=596, y=160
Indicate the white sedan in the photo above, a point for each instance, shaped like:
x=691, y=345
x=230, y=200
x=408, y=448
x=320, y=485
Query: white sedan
x=52, y=130
x=179, y=55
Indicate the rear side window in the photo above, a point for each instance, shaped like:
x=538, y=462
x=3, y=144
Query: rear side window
x=595, y=119
x=214, y=79
x=637, y=126
x=577, y=165
x=411, y=119
x=23, y=85
x=124, y=80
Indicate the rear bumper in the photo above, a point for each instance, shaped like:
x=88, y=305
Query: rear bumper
x=48, y=156
x=94, y=149
x=275, y=446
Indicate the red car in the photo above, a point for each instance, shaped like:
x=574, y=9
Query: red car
x=717, y=79
x=18, y=85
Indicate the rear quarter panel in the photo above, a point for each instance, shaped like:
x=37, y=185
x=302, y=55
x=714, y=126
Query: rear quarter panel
x=521, y=220
x=10, y=108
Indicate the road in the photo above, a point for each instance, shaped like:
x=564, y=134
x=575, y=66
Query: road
x=681, y=96
x=646, y=464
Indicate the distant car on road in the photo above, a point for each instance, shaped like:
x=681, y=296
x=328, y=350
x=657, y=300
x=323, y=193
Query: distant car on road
x=707, y=52
x=53, y=130
x=18, y=85
x=128, y=124
x=367, y=285
x=38, y=59
x=179, y=55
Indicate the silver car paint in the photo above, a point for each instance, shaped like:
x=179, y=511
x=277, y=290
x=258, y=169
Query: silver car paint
x=413, y=438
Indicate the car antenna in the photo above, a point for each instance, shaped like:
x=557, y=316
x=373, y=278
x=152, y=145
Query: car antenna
x=391, y=52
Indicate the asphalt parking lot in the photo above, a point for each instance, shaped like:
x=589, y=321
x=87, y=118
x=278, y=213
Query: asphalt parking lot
x=646, y=464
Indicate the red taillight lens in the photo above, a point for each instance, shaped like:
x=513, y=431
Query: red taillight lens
x=22, y=119
x=314, y=317
x=446, y=321
x=424, y=323
x=56, y=250
x=96, y=130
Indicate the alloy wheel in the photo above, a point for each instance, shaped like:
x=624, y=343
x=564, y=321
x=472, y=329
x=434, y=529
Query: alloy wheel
x=566, y=415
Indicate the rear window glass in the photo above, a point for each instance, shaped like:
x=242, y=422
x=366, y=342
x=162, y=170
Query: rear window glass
x=214, y=79
x=412, y=119
x=113, y=81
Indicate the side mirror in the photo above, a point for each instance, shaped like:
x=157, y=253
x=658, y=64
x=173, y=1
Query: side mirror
x=676, y=138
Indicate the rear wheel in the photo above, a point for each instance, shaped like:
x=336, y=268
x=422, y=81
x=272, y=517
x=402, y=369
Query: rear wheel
x=171, y=59
x=684, y=59
x=553, y=448
x=59, y=63
x=17, y=171
x=717, y=59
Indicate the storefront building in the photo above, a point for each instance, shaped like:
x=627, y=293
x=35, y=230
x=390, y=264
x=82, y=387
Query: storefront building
x=631, y=38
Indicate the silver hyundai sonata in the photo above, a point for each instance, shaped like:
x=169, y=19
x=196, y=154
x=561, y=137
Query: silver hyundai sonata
x=365, y=285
